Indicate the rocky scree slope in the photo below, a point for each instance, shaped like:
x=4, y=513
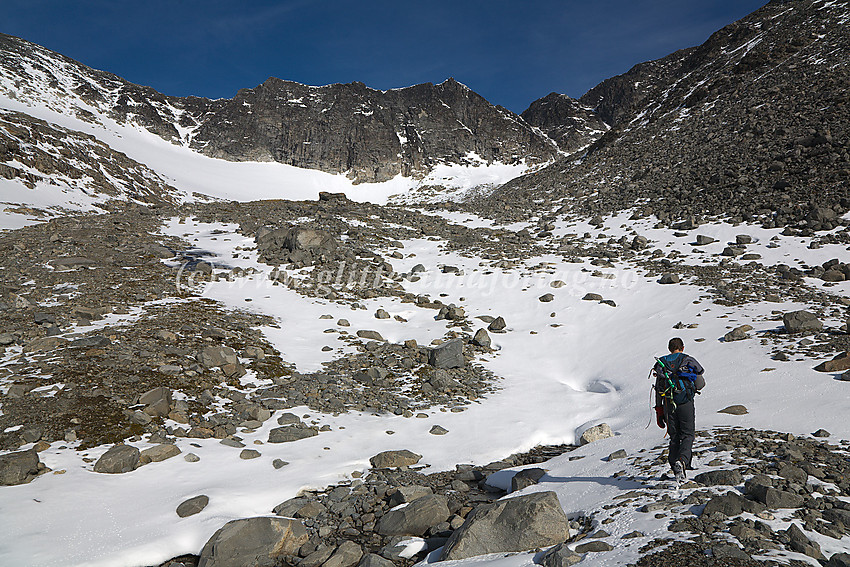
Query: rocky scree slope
x=752, y=125
x=34, y=152
x=368, y=134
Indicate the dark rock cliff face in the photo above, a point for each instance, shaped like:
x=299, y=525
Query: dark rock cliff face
x=368, y=134
x=567, y=121
x=752, y=126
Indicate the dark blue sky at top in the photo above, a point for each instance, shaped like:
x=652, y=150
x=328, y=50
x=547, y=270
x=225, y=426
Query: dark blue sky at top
x=510, y=52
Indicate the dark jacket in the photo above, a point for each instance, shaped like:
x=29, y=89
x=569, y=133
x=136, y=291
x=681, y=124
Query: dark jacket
x=677, y=361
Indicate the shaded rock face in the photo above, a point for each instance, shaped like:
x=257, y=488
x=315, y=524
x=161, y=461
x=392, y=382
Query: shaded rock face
x=253, y=541
x=368, y=134
x=18, y=468
x=571, y=124
x=416, y=517
x=118, y=459
x=514, y=524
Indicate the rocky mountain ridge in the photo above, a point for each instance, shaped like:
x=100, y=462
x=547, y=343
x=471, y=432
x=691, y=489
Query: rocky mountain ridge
x=752, y=125
x=573, y=125
x=367, y=134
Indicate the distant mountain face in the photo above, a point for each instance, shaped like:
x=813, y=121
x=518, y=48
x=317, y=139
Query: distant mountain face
x=372, y=135
x=570, y=123
x=752, y=125
x=369, y=135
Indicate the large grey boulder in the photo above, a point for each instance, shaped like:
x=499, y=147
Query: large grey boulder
x=212, y=356
x=391, y=459
x=158, y=401
x=512, y=524
x=18, y=468
x=292, y=244
x=731, y=504
x=118, y=459
x=560, y=556
x=720, y=477
x=774, y=498
x=595, y=433
x=416, y=517
x=526, y=478
x=192, y=506
x=801, y=321
x=348, y=554
x=158, y=453
x=290, y=433
x=309, y=239
x=253, y=541
x=447, y=355
x=482, y=339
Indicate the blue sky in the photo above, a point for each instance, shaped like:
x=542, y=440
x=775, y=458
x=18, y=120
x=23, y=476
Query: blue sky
x=511, y=52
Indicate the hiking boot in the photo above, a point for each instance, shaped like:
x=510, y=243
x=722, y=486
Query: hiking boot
x=679, y=471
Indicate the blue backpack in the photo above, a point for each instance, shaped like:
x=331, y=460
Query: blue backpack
x=674, y=381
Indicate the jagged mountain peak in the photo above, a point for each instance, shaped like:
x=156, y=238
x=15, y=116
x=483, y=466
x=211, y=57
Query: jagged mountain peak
x=570, y=123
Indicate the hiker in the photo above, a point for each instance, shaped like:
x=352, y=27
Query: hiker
x=678, y=377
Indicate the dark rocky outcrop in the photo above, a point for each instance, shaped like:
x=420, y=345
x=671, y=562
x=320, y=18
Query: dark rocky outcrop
x=732, y=128
x=513, y=524
x=252, y=541
x=570, y=123
x=18, y=468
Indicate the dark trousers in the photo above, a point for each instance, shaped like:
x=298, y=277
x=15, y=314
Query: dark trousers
x=682, y=429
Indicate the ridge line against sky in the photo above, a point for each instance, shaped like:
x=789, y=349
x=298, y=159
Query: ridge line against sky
x=511, y=53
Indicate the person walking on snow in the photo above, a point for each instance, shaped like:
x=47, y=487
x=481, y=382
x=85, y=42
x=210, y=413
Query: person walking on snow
x=678, y=377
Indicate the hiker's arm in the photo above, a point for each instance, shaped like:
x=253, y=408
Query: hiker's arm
x=699, y=382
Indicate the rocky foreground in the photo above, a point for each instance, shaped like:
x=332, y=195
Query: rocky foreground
x=748, y=483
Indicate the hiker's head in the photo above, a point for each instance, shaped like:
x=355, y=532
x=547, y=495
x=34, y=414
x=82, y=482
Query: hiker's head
x=676, y=345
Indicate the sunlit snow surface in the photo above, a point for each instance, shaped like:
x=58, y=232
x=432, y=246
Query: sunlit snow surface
x=592, y=367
